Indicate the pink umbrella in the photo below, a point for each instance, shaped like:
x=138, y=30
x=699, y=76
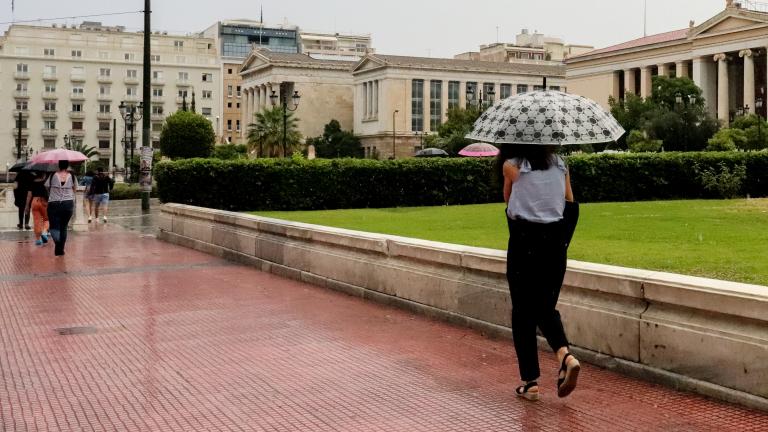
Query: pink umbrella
x=479, y=150
x=54, y=156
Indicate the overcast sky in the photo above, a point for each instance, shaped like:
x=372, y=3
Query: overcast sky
x=438, y=28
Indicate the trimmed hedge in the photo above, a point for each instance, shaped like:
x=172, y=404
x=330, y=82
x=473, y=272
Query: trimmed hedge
x=290, y=184
x=123, y=191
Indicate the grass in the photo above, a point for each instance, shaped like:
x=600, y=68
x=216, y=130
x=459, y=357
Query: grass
x=721, y=239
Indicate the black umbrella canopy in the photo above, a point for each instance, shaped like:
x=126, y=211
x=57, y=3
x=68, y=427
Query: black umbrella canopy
x=40, y=167
x=17, y=166
x=431, y=152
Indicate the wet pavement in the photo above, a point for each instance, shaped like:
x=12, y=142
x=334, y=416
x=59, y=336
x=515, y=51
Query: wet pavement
x=127, y=333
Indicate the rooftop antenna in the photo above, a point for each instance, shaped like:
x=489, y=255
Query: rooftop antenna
x=261, y=22
x=645, y=18
x=497, y=34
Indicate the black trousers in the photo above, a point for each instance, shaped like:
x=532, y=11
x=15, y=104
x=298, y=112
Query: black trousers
x=23, y=216
x=536, y=262
x=59, y=214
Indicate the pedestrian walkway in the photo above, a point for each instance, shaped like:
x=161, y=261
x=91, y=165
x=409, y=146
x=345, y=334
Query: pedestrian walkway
x=127, y=333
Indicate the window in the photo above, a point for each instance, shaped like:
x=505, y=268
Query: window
x=50, y=88
x=104, y=144
x=178, y=45
x=157, y=75
x=207, y=94
x=183, y=76
x=555, y=88
x=77, y=125
x=538, y=88
x=21, y=87
x=157, y=92
x=104, y=90
x=453, y=94
x=22, y=123
x=471, y=93
x=417, y=105
x=105, y=108
x=49, y=70
x=131, y=73
x=489, y=95
x=50, y=106
x=229, y=90
x=238, y=125
x=129, y=56
x=154, y=58
x=105, y=72
x=77, y=90
x=522, y=88
x=103, y=55
x=77, y=53
x=206, y=111
x=131, y=91
x=435, y=104
x=49, y=52
x=506, y=91
x=229, y=104
x=49, y=143
x=207, y=77
x=77, y=107
x=238, y=105
x=157, y=109
x=229, y=71
x=229, y=125
x=157, y=127
x=49, y=124
x=239, y=92
x=22, y=104
x=104, y=126
x=22, y=68
x=183, y=94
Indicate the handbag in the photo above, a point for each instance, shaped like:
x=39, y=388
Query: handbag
x=570, y=220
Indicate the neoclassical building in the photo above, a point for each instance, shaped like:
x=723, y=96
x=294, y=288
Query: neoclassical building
x=725, y=56
x=325, y=88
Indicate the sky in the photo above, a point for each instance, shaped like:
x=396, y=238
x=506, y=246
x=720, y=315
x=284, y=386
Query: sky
x=434, y=28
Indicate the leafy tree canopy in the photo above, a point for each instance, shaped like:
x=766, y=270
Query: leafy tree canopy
x=187, y=135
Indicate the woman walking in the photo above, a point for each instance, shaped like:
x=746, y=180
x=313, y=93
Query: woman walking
x=20, y=189
x=37, y=205
x=536, y=187
x=61, y=204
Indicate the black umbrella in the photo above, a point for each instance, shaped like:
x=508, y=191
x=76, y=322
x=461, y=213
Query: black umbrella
x=17, y=166
x=431, y=152
x=41, y=167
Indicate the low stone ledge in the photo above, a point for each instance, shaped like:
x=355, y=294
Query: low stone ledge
x=704, y=331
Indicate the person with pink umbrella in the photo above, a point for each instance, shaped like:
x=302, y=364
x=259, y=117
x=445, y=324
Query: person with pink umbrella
x=61, y=204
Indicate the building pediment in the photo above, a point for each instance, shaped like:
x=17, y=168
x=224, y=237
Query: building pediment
x=730, y=21
x=367, y=63
x=254, y=61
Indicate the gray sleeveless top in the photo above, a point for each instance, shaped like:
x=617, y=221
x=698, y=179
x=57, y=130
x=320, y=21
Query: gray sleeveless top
x=59, y=192
x=538, y=196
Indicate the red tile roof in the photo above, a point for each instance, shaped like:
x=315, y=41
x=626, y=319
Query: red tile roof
x=643, y=41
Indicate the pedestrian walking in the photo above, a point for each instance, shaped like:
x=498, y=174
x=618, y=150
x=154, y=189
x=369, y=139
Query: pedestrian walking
x=61, y=204
x=20, y=189
x=86, y=182
x=37, y=205
x=100, y=188
x=536, y=188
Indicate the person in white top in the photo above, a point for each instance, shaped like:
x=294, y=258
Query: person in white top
x=536, y=187
x=61, y=205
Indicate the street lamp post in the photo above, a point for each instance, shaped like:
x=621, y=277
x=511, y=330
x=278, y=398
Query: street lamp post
x=480, y=104
x=394, y=113
x=131, y=114
x=758, y=111
x=295, y=99
x=420, y=134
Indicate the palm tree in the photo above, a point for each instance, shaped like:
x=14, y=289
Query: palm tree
x=88, y=151
x=266, y=134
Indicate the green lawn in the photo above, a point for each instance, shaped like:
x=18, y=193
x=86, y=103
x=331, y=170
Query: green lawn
x=718, y=239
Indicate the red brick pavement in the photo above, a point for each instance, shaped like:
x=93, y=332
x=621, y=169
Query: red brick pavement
x=175, y=340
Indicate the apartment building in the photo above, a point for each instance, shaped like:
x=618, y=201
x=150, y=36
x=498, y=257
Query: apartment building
x=70, y=81
x=335, y=46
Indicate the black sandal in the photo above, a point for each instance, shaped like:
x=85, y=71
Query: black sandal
x=567, y=377
x=523, y=391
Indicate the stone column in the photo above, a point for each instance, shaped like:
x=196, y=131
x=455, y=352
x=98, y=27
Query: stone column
x=244, y=119
x=645, y=82
x=427, y=100
x=749, y=79
x=444, y=101
x=614, y=87
x=663, y=69
x=681, y=69
x=629, y=81
x=722, y=88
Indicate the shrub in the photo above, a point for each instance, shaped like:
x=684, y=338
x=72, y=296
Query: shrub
x=723, y=180
x=124, y=191
x=727, y=140
x=639, y=143
x=230, y=151
x=187, y=135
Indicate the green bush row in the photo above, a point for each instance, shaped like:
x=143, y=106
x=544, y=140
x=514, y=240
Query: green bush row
x=124, y=191
x=291, y=184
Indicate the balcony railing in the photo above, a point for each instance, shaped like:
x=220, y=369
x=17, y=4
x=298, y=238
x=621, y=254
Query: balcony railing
x=183, y=82
x=77, y=96
x=50, y=76
x=104, y=97
x=158, y=81
x=21, y=94
x=21, y=75
x=50, y=95
x=77, y=114
x=104, y=116
x=23, y=112
x=158, y=99
x=104, y=133
x=157, y=117
x=48, y=114
x=24, y=131
x=77, y=77
x=131, y=98
x=77, y=133
x=104, y=79
x=49, y=132
x=130, y=80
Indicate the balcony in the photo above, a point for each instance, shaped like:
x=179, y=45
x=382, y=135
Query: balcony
x=181, y=100
x=104, y=79
x=76, y=115
x=104, y=115
x=77, y=96
x=24, y=132
x=104, y=97
x=23, y=112
x=157, y=117
x=21, y=75
x=131, y=98
x=50, y=76
x=49, y=95
x=131, y=80
x=104, y=133
x=158, y=99
x=49, y=114
x=77, y=77
x=158, y=81
x=49, y=133
x=183, y=83
x=78, y=133
x=21, y=94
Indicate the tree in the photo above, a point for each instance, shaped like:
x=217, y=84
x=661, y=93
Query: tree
x=266, y=134
x=230, y=151
x=755, y=132
x=459, y=123
x=336, y=143
x=88, y=151
x=727, y=139
x=187, y=135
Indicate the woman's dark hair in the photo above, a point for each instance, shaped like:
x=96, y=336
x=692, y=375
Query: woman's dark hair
x=63, y=164
x=89, y=173
x=539, y=156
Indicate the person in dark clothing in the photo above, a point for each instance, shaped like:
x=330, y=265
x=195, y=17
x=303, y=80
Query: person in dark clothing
x=20, y=189
x=100, y=187
x=37, y=204
x=61, y=204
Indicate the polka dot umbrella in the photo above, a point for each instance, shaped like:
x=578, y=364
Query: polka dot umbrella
x=546, y=118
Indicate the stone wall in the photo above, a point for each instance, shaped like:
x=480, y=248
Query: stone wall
x=695, y=334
